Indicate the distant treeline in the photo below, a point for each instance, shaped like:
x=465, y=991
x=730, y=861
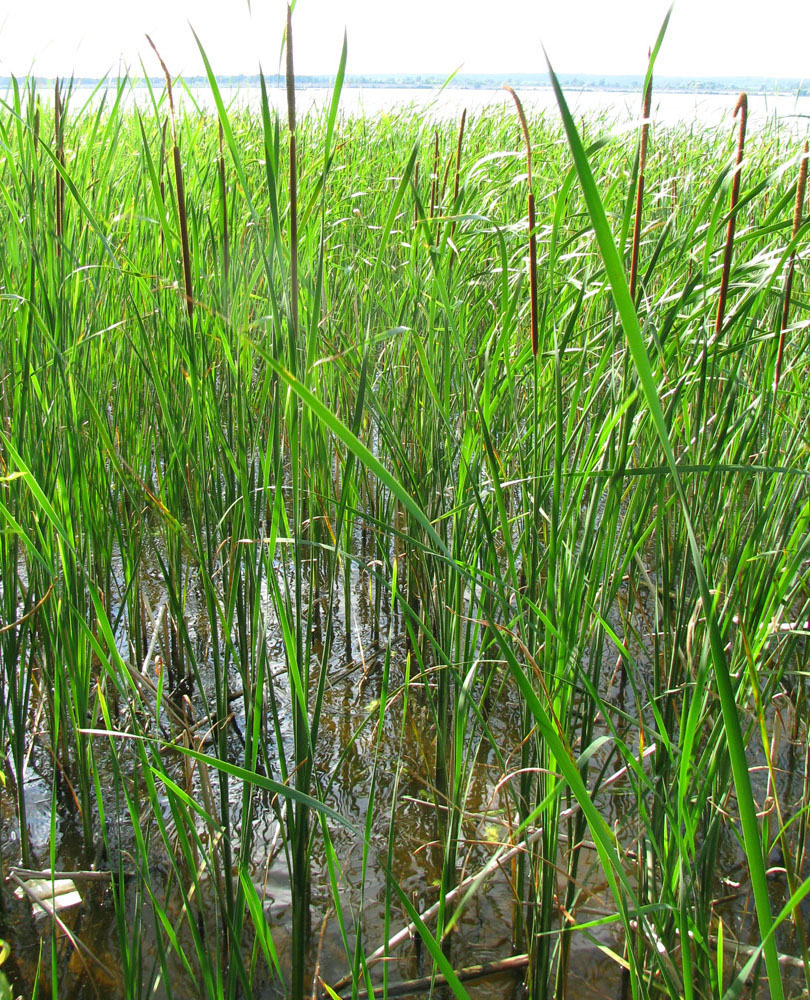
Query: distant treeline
x=488, y=81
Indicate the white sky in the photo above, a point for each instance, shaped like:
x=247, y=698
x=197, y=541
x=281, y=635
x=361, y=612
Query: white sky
x=705, y=37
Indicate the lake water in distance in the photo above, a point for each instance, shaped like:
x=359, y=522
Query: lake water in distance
x=623, y=107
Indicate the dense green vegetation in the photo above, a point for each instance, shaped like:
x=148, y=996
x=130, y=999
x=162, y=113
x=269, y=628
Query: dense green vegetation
x=298, y=530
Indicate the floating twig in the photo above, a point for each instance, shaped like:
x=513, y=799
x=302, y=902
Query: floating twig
x=424, y=983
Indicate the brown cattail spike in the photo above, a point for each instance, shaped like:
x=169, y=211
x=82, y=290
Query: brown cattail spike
x=797, y=221
x=642, y=162
x=532, y=237
x=741, y=108
x=185, y=245
x=168, y=78
x=457, y=182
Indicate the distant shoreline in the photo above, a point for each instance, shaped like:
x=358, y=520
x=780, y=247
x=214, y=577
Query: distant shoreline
x=766, y=86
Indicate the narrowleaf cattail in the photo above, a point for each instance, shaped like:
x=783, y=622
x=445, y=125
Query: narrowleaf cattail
x=532, y=237
x=741, y=108
x=642, y=162
x=181, y=191
x=293, y=183
x=797, y=221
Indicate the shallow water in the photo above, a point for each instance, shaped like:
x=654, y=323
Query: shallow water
x=620, y=107
x=485, y=934
x=348, y=755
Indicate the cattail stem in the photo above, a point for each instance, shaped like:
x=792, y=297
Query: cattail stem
x=797, y=221
x=642, y=162
x=180, y=187
x=532, y=237
x=741, y=108
x=293, y=185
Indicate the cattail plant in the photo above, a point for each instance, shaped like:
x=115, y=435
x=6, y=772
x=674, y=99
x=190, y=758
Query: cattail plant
x=642, y=162
x=181, y=191
x=489, y=711
x=532, y=237
x=797, y=221
x=741, y=108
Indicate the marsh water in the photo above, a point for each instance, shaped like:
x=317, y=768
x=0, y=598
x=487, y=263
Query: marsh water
x=620, y=107
x=402, y=766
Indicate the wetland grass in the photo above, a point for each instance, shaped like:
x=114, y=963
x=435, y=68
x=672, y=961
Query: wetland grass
x=378, y=584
